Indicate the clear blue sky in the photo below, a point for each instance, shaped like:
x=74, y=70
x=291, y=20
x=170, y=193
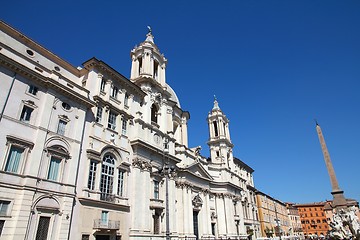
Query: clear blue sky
x=274, y=66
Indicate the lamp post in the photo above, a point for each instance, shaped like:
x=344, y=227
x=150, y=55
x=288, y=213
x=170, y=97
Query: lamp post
x=167, y=171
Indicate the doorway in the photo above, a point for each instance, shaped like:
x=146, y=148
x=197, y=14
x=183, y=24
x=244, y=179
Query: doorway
x=102, y=237
x=196, y=224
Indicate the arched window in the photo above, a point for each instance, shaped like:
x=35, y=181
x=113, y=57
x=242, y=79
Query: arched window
x=107, y=177
x=154, y=113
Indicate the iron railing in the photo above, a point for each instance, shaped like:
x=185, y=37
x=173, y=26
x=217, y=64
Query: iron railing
x=109, y=224
x=107, y=197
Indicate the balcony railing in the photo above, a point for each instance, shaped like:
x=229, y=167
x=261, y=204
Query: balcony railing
x=107, y=197
x=109, y=224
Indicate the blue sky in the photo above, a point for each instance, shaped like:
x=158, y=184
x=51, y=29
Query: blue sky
x=274, y=66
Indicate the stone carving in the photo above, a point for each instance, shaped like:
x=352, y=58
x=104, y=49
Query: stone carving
x=345, y=224
x=156, y=97
x=197, y=202
x=243, y=196
x=142, y=164
x=213, y=216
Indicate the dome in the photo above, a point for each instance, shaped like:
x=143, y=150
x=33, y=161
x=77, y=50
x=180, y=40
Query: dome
x=173, y=95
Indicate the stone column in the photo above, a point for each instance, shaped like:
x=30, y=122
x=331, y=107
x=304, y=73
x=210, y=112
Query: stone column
x=230, y=221
x=141, y=213
x=221, y=215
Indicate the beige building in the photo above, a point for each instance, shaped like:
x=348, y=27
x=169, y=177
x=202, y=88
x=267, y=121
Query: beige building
x=90, y=154
x=294, y=220
x=273, y=216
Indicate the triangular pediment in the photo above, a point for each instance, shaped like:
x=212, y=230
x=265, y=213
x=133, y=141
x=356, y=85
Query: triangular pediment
x=198, y=170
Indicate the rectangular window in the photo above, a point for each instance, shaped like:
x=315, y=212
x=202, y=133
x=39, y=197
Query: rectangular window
x=102, y=85
x=156, y=189
x=54, y=169
x=85, y=237
x=112, y=120
x=26, y=114
x=43, y=228
x=92, y=174
x=124, y=126
x=33, y=90
x=99, y=114
x=114, y=92
x=126, y=100
x=61, y=127
x=4, y=207
x=120, y=190
x=104, y=218
x=14, y=158
x=2, y=223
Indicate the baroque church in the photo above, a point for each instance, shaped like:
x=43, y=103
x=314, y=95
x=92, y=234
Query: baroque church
x=86, y=153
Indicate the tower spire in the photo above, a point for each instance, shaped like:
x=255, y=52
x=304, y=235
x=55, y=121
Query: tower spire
x=338, y=195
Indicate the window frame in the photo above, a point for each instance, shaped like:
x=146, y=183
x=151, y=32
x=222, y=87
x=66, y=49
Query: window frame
x=27, y=146
x=24, y=115
x=60, y=153
x=102, y=85
x=33, y=90
x=54, y=169
x=61, y=127
x=92, y=174
x=6, y=212
x=26, y=112
x=114, y=92
x=14, y=159
x=126, y=99
x=112, y=120
x=156, y=189
x=99, y=114
x=124, y=126
x=121, y=182
x=107, y=176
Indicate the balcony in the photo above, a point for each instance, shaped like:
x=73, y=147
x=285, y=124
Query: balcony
x=106, y=225
x=157, y=203
x=107, y=197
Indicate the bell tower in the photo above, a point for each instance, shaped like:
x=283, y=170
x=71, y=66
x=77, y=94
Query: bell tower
x=219, y=141
x=148, y=62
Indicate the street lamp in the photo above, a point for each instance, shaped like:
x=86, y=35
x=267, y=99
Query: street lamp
x=166, y=172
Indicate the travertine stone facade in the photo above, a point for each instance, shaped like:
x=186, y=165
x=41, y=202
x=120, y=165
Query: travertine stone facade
x=89, y=154
x=43, y=111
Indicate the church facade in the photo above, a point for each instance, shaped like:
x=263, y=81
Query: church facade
x=87, y=153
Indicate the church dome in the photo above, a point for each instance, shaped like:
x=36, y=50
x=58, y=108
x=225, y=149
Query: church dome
x=173, y=95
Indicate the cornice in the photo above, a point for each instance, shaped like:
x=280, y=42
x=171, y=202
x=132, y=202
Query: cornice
x=46, y=81
x=113, y=74
x=38, y=48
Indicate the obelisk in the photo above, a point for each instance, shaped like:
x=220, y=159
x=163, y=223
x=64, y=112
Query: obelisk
x=339, y=200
